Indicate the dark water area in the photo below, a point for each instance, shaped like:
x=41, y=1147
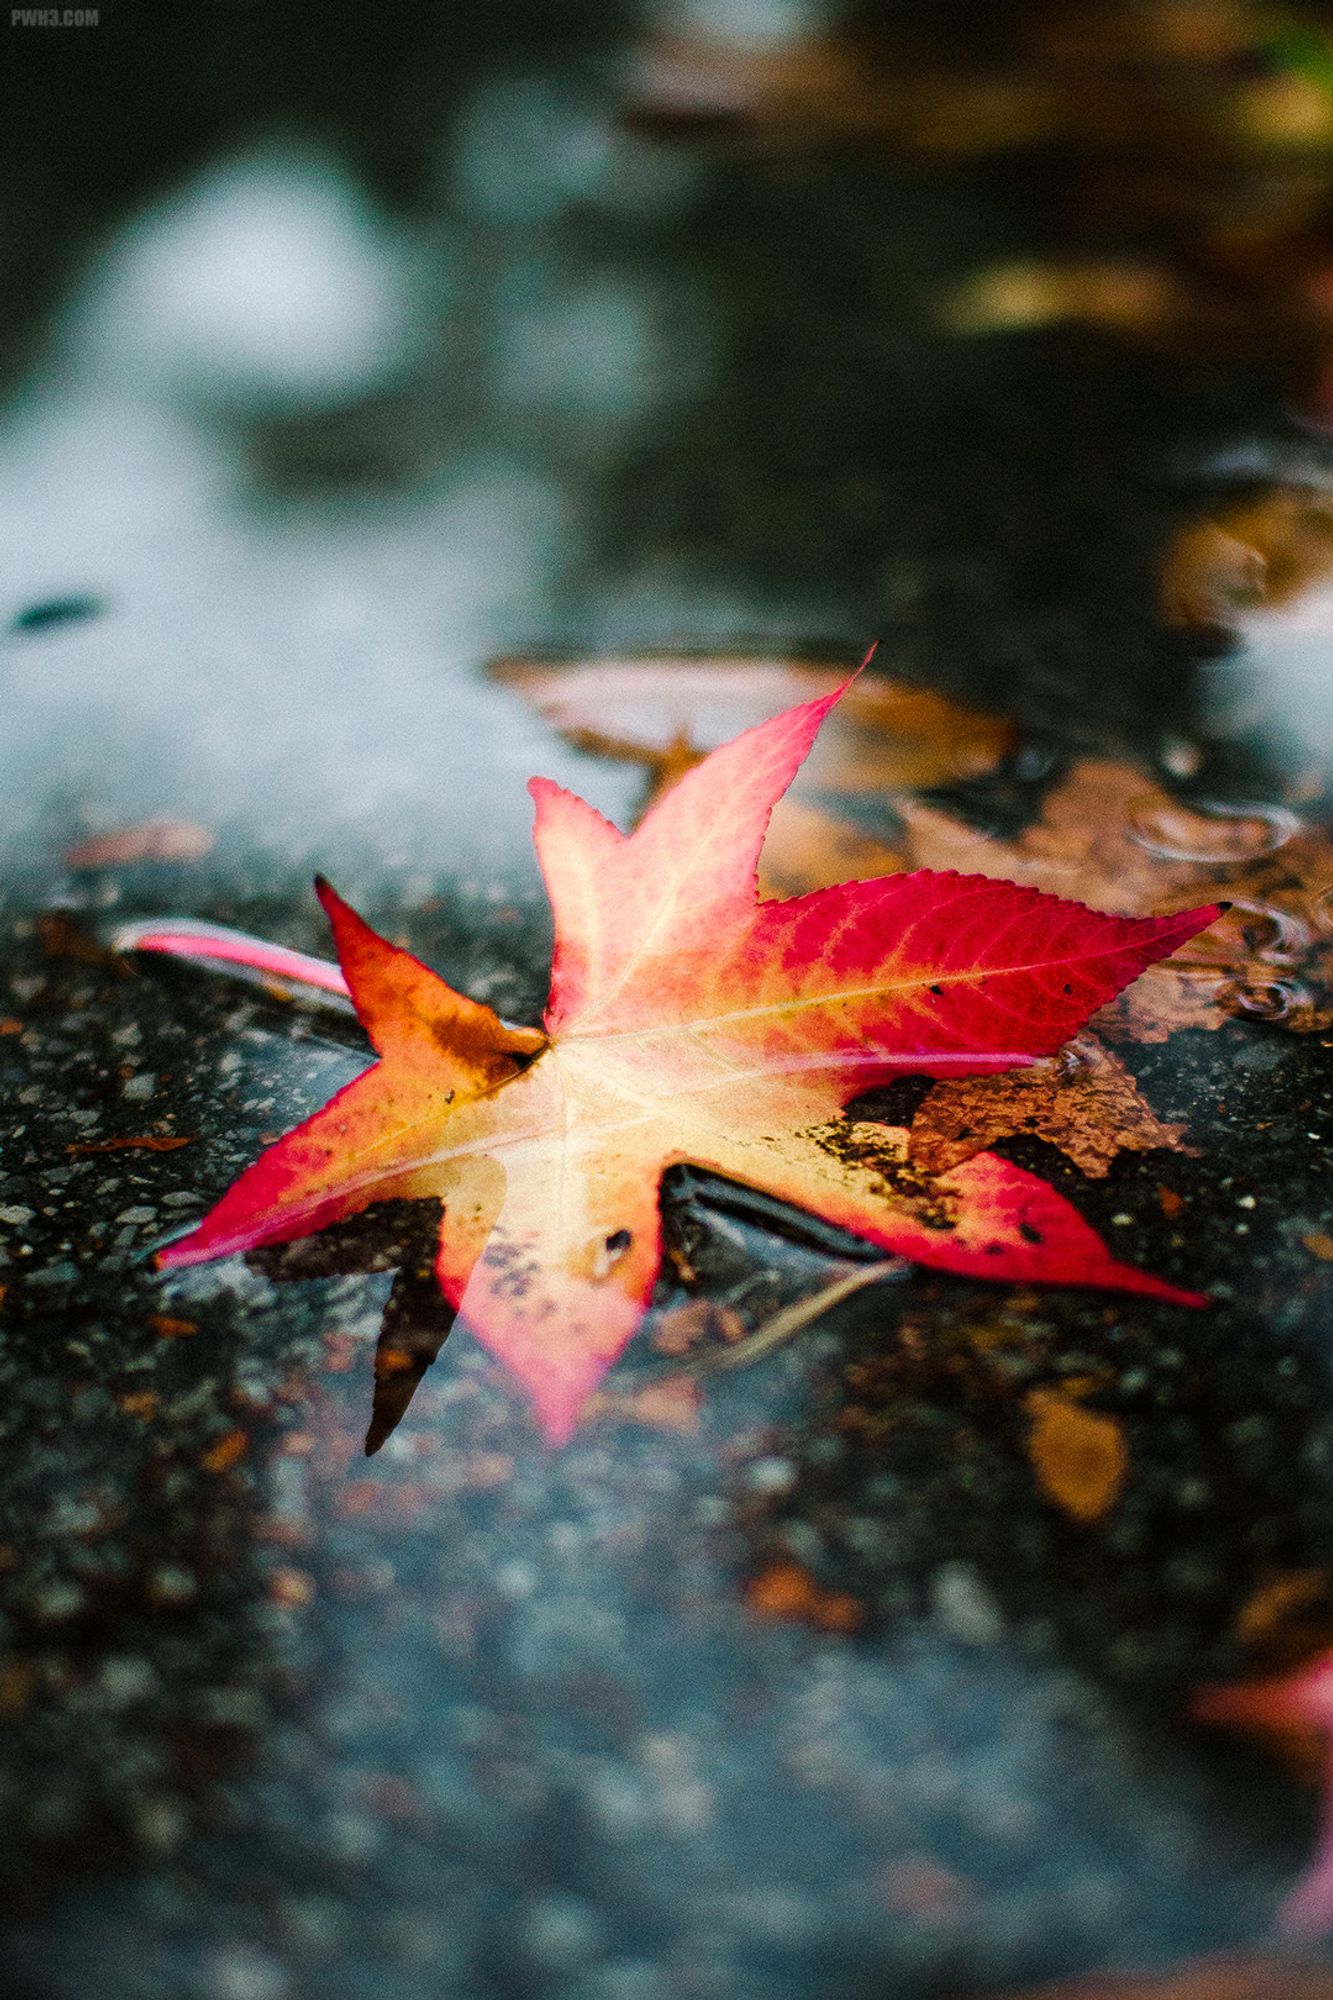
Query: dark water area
x=343, y=353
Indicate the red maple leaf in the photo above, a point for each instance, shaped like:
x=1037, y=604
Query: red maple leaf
x=690, y=1021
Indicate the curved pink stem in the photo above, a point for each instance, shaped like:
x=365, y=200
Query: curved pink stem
x=200, y=943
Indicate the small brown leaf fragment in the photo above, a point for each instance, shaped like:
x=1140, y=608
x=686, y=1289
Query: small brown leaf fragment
x=168, y=1328
x=786, y=1591
x=672, y=1405
x=1207, y=574
x=153, y=840
x=61, y=937
x=10, y=1025
x=140, y=1403
x=1319, y=1244
x=1122, y=295
x=870, y=87
x=17, y=1684
x=1274, y=1622
x=291, y=1589
x=1170, y=1202
x=1079, y=1456
x=1084, y=1101
x=226, y=1452
x=690, y=1325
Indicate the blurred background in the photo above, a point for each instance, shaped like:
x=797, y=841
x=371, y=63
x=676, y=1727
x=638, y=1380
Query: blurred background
x=725, y=319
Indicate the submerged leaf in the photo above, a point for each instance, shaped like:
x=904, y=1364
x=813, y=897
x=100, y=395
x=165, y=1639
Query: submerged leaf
x=689, y=1021
x=884, y=736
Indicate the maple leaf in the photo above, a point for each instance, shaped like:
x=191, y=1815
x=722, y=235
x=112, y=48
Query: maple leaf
x=1294, y=1707
x=689, y=1021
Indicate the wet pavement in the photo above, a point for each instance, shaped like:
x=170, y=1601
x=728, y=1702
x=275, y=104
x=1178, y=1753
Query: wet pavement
x=790, y=1679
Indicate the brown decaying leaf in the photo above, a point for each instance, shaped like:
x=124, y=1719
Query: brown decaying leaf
x=786, y=1591
x=228, y=1451
x=62, y=938
x=1110, y=837
x=153, y=840
x=810, y=92
x=1084, y=1101
x=1079, y=1456
x=1122, y=295
x=167, y=1327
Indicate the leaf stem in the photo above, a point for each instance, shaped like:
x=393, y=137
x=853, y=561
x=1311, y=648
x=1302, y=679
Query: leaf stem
x=215, y=944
